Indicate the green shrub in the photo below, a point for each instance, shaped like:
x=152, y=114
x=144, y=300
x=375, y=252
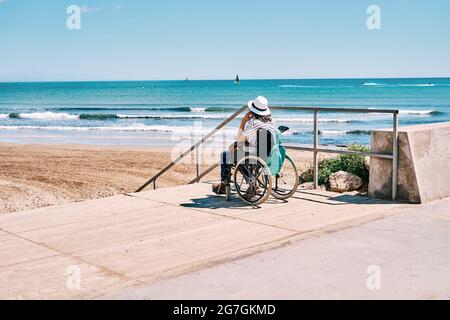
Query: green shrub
x=355, y=164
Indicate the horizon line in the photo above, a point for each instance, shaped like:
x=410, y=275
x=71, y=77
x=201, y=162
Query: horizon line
x=227, y=79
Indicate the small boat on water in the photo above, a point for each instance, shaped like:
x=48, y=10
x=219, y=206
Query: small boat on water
x=237, y=81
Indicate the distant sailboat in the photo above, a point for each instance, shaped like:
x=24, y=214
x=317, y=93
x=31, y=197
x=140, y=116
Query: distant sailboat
x=187, y=79
x=237, y=81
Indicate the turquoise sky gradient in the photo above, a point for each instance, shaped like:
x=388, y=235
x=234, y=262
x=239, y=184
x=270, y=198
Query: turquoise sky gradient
x=209, y=39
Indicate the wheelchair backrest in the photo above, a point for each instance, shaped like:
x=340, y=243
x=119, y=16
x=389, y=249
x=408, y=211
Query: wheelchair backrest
x=265, y=140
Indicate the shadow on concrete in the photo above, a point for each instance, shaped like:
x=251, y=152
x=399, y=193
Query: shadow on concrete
x=339, y=199
x=219, y=202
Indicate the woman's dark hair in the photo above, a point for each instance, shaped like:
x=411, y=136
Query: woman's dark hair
x=262, y=118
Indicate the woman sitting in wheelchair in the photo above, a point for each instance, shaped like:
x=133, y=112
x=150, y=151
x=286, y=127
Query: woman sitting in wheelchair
x=249, y=142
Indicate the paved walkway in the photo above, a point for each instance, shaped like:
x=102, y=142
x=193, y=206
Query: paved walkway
x=107, y=247
x=406, y=256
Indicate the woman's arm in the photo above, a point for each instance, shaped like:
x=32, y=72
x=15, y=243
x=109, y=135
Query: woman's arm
x=240, y=137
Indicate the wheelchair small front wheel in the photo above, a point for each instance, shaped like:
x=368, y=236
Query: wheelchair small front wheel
x=285, y=183
x=228, y=192
x=253, y=180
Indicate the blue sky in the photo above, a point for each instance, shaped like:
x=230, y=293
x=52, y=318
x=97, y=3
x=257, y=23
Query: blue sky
x=211, y=39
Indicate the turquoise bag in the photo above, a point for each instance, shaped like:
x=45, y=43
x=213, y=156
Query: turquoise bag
x=277, y=156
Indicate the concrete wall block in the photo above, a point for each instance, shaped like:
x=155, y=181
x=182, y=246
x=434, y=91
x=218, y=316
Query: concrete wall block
x=424, y=163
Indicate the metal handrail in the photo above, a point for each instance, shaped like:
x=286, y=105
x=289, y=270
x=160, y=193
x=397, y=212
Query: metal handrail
x=192, y=148
x=204, y=173
x=316, y=149
x=328, y=109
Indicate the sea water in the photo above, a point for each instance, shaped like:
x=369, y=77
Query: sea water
x=163, y=112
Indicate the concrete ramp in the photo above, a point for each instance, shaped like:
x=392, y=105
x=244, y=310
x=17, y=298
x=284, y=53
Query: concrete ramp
x=100, y=248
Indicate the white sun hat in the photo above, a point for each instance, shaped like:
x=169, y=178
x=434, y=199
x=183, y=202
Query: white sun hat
x=259, y=106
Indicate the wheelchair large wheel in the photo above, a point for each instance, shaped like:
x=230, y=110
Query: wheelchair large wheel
x=252, y=180
x=285, y=183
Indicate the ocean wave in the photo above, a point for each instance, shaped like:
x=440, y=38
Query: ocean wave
x=44, y=116
x=127, y=108
x=101, y=116
x=417, y=85
x=366, y=84
x=421, y=112
x=373, y=84
x=160, y=117
x=173, y=129
x=188, y=131
x=323, y=120
x=330, y=132
x=429, y=112
x=305, y=86
x=343, y=132
x=425, y=85
x=293, y=86
x=110, y=128
x=191, y=116
x=97, y=116
x=198, y=109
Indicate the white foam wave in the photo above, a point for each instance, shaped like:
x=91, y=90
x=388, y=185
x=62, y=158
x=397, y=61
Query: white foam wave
x=135, y=127
x=305, y=86
x=417, y=112
x=294, y=86
x=143, y=116
x=328, y=132
x=48, y=116
x=366, y=84
x=310, y=120
x=198, y=109
x=62, y=128
x=404, y=84
x=372, y=84
x=342, y=132
x=4, y=115
x=332, y=132
x=417, y=85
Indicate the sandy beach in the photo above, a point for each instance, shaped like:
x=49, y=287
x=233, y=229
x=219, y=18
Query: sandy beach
x=33, y=176
x=38, y=175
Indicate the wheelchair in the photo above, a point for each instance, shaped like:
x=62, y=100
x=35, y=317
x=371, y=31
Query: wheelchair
x=252, y=178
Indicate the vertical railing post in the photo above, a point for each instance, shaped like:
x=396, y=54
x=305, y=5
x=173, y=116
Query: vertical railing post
x=316, y=156
x=394, y=156
x=154, y=184
x=197, y=168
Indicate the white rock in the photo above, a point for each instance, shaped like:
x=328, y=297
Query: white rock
x=342, y=181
